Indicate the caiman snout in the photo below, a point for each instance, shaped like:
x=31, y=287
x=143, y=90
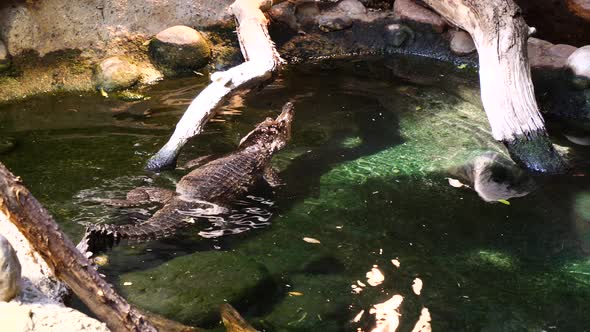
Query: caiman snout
x=286, y=113
x=270, y=134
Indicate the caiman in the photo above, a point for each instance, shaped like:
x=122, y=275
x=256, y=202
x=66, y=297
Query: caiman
x=215, y=183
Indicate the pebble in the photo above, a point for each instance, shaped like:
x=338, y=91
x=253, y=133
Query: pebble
x=10, y=271
x=116, y=73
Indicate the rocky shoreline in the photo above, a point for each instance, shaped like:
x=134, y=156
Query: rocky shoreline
x=32, y=298
x=124, y=53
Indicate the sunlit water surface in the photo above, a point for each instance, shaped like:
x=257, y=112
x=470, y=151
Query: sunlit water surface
x=367, y=234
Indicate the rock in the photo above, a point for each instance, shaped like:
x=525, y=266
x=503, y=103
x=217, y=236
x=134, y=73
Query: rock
x=352, y=8
x=180, y=48
x=580, y=8
x=116, y=73
x=284, y=13
x=307, y=13
x=10, y=271
x=191, y=288
x=544, y=55
x=334, y=22
x=561, y=50
x=4, y=57
x=408, y=10
x=15, y=317
x=579, y=63
x=461, y=42
x=397, y=34
x=38, y=282
x=99, y=25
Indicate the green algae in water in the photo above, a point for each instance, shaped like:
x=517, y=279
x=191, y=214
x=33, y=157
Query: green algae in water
x=366, y=174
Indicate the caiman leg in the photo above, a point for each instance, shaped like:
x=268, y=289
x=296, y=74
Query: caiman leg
x=197, y=162
x=140, y=196
x=271, y=176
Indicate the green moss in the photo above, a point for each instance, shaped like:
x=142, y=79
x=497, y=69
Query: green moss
x=191, y=288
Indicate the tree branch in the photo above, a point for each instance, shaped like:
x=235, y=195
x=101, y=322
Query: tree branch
x=262, y=59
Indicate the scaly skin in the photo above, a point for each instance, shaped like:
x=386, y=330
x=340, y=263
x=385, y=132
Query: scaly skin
x=212, y=185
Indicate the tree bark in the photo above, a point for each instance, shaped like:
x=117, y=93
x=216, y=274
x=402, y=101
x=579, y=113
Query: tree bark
x=67, y=263
x=500, y=35
x=262, y=60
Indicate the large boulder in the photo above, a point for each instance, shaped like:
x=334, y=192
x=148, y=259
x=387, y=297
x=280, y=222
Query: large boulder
x=191, y=288
x=545, y=55
x=579, y=63
x=180, y=48
x=408, y=10
x=10, y=271
x=352, y=8
x=116, y=73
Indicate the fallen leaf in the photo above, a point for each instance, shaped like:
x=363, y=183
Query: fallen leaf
x=503, y=201
x=295, y=293
x=101, y=260
x=462, y=66
x=455, y=183
x=103, y=93
x=311, y=240
x=358, y=316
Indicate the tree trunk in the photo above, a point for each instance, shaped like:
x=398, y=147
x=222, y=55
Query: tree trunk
x=262, y=60
x=67, y=263
x=500, y=35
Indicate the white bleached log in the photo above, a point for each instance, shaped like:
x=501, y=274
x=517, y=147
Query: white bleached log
x=262, y=59
x=500, y=35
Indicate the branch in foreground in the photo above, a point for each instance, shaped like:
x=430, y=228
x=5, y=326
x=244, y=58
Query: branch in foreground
x=67, y=263
x=262, y=60
x=500, y=35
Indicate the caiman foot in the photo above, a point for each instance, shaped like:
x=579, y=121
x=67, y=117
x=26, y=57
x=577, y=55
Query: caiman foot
x=271, y=176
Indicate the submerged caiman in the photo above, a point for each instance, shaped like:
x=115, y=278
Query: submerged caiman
x=213, y=184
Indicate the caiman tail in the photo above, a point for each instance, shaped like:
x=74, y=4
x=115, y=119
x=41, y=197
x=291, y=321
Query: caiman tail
x=163, y=223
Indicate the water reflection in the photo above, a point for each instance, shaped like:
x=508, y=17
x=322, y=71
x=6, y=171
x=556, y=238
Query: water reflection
x=494, y=177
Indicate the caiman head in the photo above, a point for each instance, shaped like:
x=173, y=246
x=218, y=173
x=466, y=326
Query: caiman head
x=271, y=135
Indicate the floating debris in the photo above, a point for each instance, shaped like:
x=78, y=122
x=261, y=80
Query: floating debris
x=455, y=183
x=311, y=240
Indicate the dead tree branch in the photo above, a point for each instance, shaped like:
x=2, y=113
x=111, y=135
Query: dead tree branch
x=500, y=35
x=262, y=59
x=67, y=263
